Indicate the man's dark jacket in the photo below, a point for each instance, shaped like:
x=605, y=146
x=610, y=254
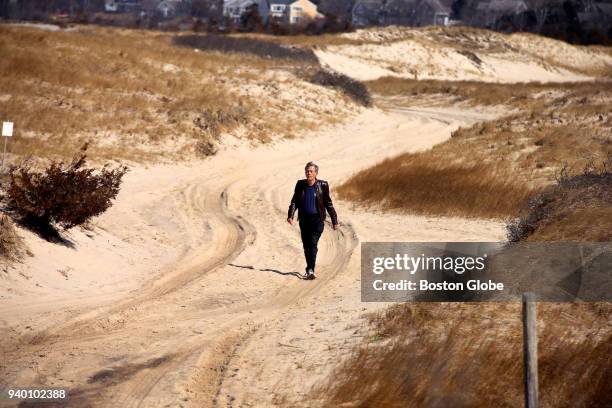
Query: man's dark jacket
x=323, y=200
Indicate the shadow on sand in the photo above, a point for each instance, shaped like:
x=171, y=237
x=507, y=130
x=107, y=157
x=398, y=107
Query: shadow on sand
x=295, y=274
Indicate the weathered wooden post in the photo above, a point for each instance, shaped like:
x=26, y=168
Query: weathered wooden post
x=530, y=350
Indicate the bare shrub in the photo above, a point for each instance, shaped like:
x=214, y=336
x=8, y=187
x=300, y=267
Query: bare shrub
x=213, y=121
x=206, y=148
x=63, y=194
x=351, y=87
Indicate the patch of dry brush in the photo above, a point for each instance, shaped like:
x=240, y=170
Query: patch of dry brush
x=141, y=95
x=425, y=184
x=576, y=208
x=11, y=245
x=470, y=355
x=491, y=168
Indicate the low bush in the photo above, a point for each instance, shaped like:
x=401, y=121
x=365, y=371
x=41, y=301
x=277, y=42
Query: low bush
x=64, y=194
x=351, y=87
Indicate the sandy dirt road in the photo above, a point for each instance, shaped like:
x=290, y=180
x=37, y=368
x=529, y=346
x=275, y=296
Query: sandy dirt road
x=214, y=312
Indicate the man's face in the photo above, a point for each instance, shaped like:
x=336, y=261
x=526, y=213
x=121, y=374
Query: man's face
x=311, y=174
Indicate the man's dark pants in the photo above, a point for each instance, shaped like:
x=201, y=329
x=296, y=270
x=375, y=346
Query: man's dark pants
x=311, y=228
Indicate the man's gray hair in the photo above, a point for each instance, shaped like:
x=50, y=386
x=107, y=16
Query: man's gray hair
x=311, y=164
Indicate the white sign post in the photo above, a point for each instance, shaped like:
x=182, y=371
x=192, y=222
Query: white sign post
x=7, y=131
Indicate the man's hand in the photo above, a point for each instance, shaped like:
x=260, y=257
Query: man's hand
x=290, y=221
x=335, y=226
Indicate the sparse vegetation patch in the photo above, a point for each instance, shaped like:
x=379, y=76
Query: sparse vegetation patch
x=244, y=45
x=576, y=208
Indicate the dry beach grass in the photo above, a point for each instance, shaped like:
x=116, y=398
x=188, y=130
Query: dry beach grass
x=449, y=354
x=491, y=168
x=142, y=95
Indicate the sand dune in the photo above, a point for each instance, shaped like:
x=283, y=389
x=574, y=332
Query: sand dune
x=188, y=291
x=462, y=55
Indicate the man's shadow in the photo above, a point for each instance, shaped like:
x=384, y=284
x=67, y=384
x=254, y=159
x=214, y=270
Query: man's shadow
x=295, y=274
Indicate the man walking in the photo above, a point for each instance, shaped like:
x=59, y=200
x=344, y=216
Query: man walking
x=311, y=198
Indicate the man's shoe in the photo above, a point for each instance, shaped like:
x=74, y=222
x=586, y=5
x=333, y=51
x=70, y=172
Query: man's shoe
x=310, y=274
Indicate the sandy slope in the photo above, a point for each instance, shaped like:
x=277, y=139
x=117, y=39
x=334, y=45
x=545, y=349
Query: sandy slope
x=187, y=292
x=459, y=55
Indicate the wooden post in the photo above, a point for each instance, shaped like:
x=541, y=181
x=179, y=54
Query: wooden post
x=530, y=350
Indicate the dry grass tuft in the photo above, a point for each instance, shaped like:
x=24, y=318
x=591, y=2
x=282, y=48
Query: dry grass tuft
x=11, y=245
x=424, y=184
x=471, y=92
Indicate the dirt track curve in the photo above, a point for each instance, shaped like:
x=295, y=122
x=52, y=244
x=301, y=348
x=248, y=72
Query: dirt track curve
x=230, y=322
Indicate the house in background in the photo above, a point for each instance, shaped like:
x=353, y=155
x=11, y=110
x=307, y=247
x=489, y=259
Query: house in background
x=235, y=9
x=442, y=18
x=294, y=12
x=368, y=13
